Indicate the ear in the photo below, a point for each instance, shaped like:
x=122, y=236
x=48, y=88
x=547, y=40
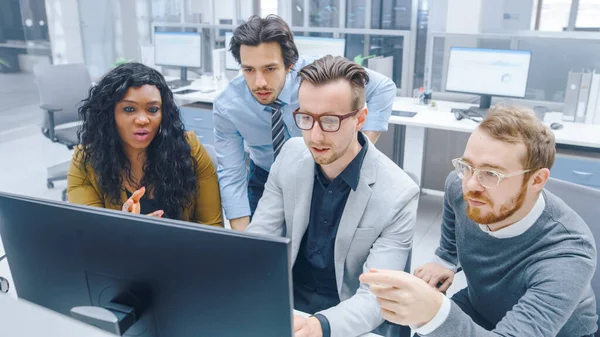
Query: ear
x=287, y=71
x=361, y=117
x=539, y=179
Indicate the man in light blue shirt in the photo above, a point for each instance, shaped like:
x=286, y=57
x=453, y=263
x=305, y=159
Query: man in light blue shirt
x=255, y=111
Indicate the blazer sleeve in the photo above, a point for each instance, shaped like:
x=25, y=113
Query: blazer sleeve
x=208, y=199
x=80, y=189
x=269, y=217
x=361, y=313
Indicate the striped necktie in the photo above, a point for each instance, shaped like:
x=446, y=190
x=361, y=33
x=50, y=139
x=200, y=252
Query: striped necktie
x=277, y=126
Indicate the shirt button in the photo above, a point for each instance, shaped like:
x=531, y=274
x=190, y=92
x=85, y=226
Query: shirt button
x=319, y=252
x=329, y=192
x=325, y=222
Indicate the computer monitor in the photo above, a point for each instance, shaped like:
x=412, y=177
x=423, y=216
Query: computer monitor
x=311, y=48
x=230, y=62
x=178, y=49
x=184, y=279
x=488, y=72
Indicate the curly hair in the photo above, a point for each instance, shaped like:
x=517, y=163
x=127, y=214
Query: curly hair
x=169, y=171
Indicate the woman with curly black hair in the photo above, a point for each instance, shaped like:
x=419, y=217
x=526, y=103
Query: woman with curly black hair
x=134, y=154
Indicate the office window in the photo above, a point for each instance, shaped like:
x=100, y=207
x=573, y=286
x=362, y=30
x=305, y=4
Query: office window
x=356, y=13
x=324, y=13
x=554, y=15
x=298, y=13
x=391, y=14
x=198, y=11
x=267, y=7
x=166, y=10
x=588, y=15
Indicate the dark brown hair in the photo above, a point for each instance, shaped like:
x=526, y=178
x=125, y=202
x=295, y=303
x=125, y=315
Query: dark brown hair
x=329, y=68
x=270, y=29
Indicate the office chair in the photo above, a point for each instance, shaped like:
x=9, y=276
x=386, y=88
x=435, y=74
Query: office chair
x=584, y=201
x=61, y=89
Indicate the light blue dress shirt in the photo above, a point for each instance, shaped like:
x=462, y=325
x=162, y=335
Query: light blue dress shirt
x=242, y=122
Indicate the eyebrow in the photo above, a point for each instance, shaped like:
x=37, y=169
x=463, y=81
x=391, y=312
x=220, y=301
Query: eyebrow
x=134, y=102
x=497, y=167
x=265, y=66
x=327, y=113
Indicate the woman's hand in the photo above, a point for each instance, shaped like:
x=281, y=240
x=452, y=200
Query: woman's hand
x=132, y=205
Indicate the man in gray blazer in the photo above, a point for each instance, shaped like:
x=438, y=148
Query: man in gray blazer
x=345, y=205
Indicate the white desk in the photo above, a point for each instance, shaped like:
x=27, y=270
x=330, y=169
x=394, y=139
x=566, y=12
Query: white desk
x=23, y=318
x=300, y=313
x=440, y=117
x=198, y=96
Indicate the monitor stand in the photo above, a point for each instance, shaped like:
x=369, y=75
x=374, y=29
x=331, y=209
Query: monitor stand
x=182, y=82
x=484, y=105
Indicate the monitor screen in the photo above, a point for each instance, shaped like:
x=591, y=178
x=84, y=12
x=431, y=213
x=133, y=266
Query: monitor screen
x=230, y=62
x=493, y=72
x=311, y=48
x=186, y=279
x=179, y=49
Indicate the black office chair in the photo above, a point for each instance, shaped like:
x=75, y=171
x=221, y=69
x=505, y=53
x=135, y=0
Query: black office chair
x=61, y=89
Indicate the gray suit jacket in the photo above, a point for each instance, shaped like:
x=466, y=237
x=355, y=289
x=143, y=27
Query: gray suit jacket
x=376, y=229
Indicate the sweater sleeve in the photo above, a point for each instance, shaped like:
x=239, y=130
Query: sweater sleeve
x=556, y=284
x=447, y=248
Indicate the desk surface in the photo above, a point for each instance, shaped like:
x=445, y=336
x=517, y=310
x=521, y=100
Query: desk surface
x=440, y=117
x=198, y=96
x=23, y=318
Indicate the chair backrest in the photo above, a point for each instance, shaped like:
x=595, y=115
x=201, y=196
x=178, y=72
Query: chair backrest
x=212, y=153
x=63, y=86
x=584, y=201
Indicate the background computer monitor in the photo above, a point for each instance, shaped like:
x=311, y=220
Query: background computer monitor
x=203, y=281
x=230, y=62
x=178, y=49
x=311, y=48
x=488, y=72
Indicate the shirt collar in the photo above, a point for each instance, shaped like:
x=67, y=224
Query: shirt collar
x=522, y=225
x=351, y=174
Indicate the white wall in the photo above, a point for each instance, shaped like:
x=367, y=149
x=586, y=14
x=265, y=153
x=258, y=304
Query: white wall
x=503, y=16
x=463, y=16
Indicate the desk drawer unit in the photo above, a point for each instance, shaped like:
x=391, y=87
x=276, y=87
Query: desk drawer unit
x=199, y=119
x=206, y=136
x=578, y=170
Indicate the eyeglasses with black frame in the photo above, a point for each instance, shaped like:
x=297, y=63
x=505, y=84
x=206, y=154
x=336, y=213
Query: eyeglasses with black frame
x=489, y=179
x=328, y=123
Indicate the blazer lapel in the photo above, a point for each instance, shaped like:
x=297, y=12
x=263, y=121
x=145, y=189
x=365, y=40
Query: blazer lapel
x=353, y=212
x=303, y=196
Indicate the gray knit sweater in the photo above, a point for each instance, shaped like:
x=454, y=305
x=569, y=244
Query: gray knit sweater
x=534, y=284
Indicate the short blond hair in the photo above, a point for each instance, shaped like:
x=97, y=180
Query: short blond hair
x=517, y=125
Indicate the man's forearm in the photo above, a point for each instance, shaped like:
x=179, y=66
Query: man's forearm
x=373, y=135
x=240, y=224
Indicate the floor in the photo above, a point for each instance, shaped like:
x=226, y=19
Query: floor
x=25, y=154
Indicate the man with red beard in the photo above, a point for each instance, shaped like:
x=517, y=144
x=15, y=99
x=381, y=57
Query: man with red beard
x=527, y=257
